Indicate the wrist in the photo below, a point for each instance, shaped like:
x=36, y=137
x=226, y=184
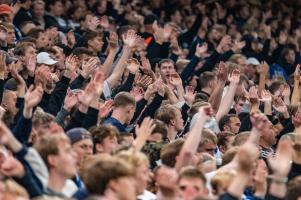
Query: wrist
x=27, y=112
x=67, y=108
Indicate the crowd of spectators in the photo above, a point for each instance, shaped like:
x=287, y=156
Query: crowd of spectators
x=150, y=99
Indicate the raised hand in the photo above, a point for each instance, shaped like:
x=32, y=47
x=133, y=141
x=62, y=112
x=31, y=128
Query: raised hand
x=174, y=45
x=143, y=81
x=85, y=97
x=150, y=91
x=143, y=132
x=234, y=76
x=264, y=69
x=167, y=32
x=70, y=100
x=145, y=63
x=201, y=49
x=71, y=65
x=266, y=96
x=138, y=93
x=279, y=105
x=89, y=67
x=189, y=95
x=129, y=39
x=238, y=45
x=15, y=73
x=33, y=96
x=9, y=166
x=226, y=40
x=206, y=113
x=93, y=23
x=99, y=79
x=133, y=65
x=31, y=65
x=286, y=90
x=281, y=162
x=105, y=109
x=259, y=121
x=104, y=22
x=113, y=40
x=175, y=79
x=253, y=95
x=297, y=119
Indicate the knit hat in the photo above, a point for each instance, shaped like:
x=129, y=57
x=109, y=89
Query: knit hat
x=78, y=134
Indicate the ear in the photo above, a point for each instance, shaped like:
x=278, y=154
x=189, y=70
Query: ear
x=99, y=148
x=172, y=122
x=112, y=185
x=226, y=128
x=222, y=149
x=90, y=43
x=51, y=160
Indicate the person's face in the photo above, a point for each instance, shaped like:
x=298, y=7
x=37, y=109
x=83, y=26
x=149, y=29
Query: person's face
x=25, y=29
x=57, y=9
x=66, y=161
x=234, y=124
x=290, y=56
x=118, y=187
x=209, y=147
x=78, y=14
x=269, y=135
x=9, y=100
x=179, y=122
x=142, y=177
x=251, y=71
x=96, y=44
x=190, y=188
x=83, y=148
x=108, y=145
x=176, y=18
x=38, y=10
x=238, y=106
x=10, y=38
x=242, y=62
x=102, y=7
x=166, y=69
x=42, y=40
x=130, y=111
x=59, y=54
x=30, y=52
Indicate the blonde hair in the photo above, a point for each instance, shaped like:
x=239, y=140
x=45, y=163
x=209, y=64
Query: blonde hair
x=222, y=180
x=133, y=157
x=14, y=189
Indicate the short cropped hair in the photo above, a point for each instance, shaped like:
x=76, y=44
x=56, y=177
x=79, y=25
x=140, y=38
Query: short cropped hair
x=49, y=145
x=170, y=151
x=166, y=113
x=124, y=99
x=192, y=172
x=205, y=78
x=101, y=172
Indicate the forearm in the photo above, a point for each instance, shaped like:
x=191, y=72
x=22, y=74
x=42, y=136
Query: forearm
x=108, y=62
x=268, y=108
x=119, y=69
x=216, y=96
x=238, y=184
x=180, y=92
x=227, y=102
x=261, y=83
x=295, y=95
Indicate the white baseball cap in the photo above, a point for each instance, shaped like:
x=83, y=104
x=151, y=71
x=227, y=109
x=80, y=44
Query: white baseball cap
x=44, y=58
x=253, y=61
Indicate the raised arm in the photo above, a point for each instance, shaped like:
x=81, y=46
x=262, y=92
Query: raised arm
x=194, y=137
x=229, y=97
x=129, y=40
x=107, y=65
x=295, y=96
